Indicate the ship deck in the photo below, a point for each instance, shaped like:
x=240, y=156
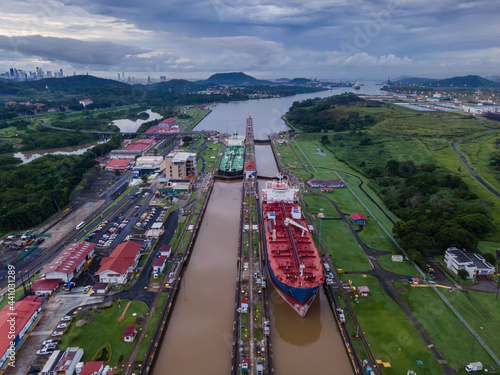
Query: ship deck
x=233, y=159
x=288, y=248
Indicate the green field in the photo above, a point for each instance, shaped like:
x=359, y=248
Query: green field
x=401, y=268
x=391, y=336
x=103, y=330
x=449, y=335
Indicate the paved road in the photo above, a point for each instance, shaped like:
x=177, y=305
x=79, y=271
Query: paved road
x=469, y=167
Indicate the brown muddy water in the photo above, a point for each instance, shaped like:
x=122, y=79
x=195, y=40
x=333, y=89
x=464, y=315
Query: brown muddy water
x=200, y=332
x=310, y=345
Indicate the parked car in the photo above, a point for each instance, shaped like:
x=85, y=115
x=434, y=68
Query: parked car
x=67, y=318
x=50, y=346
x=62, y=326
x=44, y=351
x=85, y=290
x=57, y=333
x=50, y=341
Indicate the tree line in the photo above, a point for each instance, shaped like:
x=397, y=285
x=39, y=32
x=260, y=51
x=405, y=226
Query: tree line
x=32, y=192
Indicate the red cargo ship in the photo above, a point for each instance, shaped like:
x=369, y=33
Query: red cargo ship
x=292, y=258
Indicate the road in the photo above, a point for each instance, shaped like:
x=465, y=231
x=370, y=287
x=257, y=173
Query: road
x=469, y=167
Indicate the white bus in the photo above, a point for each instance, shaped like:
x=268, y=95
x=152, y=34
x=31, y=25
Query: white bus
x=80, y=226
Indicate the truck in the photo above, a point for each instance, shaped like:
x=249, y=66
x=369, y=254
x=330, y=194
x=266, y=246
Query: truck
x=474, y=366
x=266, y=327
x=340, y=314
x=327, y=267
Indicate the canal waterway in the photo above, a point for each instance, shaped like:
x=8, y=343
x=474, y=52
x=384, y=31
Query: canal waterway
x=310, y=345
x=264, y=158
x=266, y=113
x=200, y=332
x=127, y=125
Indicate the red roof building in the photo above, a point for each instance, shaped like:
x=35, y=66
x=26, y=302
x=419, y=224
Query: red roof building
x=159, y=264
x=70, y=261
x=168, y=122
x=121, y=262
x=130, y=333
x=358, y=219
x=117, y=164
x=92, y=368
x=250, y=165
x=165, y=250
x=43, y=287
x=12, y=332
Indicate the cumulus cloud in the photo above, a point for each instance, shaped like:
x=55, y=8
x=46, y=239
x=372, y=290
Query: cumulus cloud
x=282, y=37
x=69, y=50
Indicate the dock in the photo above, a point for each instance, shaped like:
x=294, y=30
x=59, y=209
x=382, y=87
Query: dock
x=252, y=348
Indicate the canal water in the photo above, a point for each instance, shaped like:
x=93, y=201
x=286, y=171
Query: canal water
x=200, y=332
x=310, y=345
x=264, y=158
x=266, y=113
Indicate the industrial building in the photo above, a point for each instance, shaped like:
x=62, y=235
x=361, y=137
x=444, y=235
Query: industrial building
x=70, y=262
x=25, y=315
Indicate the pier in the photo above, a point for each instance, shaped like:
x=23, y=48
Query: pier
x=252, y=348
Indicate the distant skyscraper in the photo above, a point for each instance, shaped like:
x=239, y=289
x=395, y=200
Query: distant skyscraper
x=163, y=78
x=12, y=74
x=149, y=79
x=61, y=73
x=118, y=76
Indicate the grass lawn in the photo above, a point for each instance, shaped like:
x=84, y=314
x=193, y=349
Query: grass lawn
x=391, y=336
x=478, y=152
x=449, y=335
x=152, y=327
x=316, y=205
x=489, y=247
x=401, y=268
x=342, y=247
x=104, y=331
x=373, y=236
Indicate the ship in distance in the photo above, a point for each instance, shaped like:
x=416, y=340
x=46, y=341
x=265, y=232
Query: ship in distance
x=293, y=262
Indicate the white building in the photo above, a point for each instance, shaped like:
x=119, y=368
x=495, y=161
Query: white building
x=121, y=263
x=475, y=265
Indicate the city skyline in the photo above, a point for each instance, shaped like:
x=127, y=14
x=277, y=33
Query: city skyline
x=266, y=39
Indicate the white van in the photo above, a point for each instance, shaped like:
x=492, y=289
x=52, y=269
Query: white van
x=80, y=226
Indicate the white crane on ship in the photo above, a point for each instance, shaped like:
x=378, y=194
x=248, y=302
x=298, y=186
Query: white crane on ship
x=289, y=221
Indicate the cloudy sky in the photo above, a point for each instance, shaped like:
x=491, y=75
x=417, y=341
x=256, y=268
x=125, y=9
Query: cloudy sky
x=342, y=39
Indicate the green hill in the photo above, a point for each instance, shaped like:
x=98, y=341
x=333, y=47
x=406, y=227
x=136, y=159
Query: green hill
x=471, y=81
x=235, y=78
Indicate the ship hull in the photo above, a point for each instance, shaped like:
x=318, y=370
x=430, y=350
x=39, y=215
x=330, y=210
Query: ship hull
x=299, y=299
x=293, y=263
x=307, y=295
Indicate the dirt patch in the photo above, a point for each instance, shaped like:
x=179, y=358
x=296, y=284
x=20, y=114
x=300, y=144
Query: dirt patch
x=81, y=323
x=401, y=290
x=68, y=223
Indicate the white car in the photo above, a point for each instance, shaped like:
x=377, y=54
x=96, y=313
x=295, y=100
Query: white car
x=62, y=326
x=57, y=333
x=67, y=318
x=47, y=342
x=44, y=351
